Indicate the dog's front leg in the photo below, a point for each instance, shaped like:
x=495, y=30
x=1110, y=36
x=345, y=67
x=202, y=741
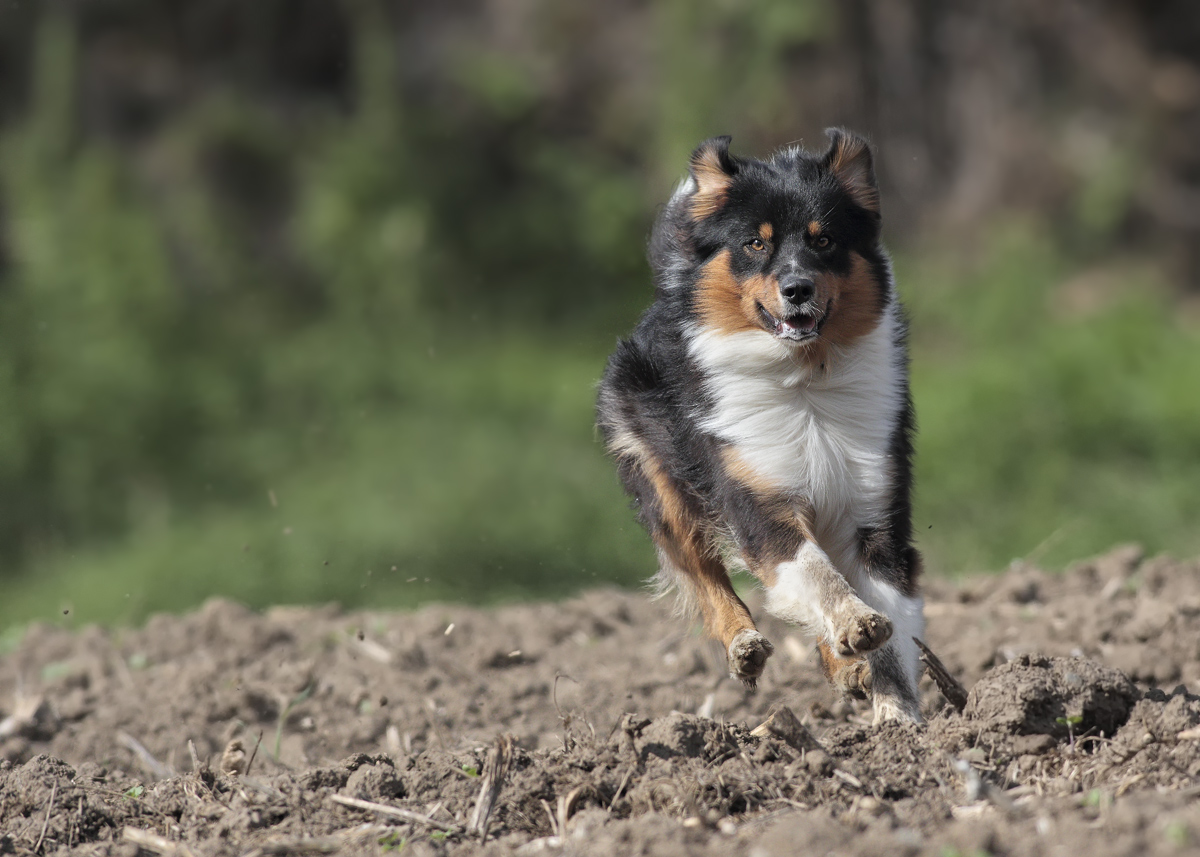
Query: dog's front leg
x=894, y=669
x=690, y=562
x=811, y=592
x=854, y=638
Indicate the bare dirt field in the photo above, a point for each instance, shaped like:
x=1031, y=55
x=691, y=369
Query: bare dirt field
x=602, y=726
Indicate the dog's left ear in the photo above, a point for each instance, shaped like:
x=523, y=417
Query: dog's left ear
x=712, y=168
x=849, y=158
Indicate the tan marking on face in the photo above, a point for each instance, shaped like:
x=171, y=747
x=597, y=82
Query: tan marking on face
x=856, y=302
x=729, y=305
x=814, y=228
x=766, y=231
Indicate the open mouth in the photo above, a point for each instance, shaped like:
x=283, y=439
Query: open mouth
x=798, y=327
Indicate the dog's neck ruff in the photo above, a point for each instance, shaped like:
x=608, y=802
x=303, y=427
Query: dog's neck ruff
x=821, y=433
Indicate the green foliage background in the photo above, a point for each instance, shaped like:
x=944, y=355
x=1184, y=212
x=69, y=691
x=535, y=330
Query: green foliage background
x=385, y=397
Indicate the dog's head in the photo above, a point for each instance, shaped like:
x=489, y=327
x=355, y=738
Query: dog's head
x=788, y=247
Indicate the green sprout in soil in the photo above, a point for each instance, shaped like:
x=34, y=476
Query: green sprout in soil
x=296, y=700
x=392, y=842
x=56, y=670
x=1070, y=722
x=1177, y=833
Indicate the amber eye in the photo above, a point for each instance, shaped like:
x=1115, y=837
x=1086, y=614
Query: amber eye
x=822, y=242
x=757, y=245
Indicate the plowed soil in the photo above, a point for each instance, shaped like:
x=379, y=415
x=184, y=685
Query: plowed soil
x=622, y=733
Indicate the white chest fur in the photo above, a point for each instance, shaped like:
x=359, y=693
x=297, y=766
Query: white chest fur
x=821, y=436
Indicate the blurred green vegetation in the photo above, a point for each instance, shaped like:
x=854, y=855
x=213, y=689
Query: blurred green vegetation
x=328, y=356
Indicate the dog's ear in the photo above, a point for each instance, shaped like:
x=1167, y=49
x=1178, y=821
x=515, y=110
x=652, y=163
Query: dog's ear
x=712, y=169
x=849, y=158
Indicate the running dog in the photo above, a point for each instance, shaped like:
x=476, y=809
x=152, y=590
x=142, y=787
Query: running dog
x=761, y=419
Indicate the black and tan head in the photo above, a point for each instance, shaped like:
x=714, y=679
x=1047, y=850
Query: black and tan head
x=788, y=247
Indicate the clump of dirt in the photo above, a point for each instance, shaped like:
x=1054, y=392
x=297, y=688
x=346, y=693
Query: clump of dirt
x=313, y=731
x=1035, y=695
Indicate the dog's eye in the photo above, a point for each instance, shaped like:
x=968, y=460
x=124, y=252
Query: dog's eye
x=757, y=245
x=822, y=242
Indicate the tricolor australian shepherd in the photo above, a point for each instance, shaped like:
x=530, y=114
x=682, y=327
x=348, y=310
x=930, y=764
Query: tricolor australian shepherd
x=760, y=413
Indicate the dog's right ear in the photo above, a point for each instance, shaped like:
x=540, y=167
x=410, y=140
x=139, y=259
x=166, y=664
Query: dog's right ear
x=712, y=169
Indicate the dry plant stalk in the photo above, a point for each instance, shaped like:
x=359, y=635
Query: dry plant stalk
x=498, y=762
x=950, y=687
x=46, y=823
x=395, y=812
x=149, y=841
x=198, y=767
x=156, y=768
x=782, y=723
x=233, y=759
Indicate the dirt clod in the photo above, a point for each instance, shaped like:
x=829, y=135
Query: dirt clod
x=1034, y=695
x=684, y=735
x=375, y=782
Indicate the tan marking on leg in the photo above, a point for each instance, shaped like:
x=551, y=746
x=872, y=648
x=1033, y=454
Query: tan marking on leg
x=683, y=539
x=851, y=676
x=623, y=442
x=793, y=513
x=796, y=510
x=739, y=469
x=687, y=550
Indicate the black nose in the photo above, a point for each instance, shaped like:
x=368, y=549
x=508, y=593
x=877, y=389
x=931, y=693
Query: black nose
x=797, y=289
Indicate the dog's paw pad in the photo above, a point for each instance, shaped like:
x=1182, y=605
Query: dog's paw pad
x=854, y=679
x=748, y=653
x=864, y=632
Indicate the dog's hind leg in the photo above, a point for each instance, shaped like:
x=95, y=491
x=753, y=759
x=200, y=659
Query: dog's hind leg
x=688, y=560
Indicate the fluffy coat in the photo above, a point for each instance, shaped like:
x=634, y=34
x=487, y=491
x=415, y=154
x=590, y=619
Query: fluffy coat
x=760, y=414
